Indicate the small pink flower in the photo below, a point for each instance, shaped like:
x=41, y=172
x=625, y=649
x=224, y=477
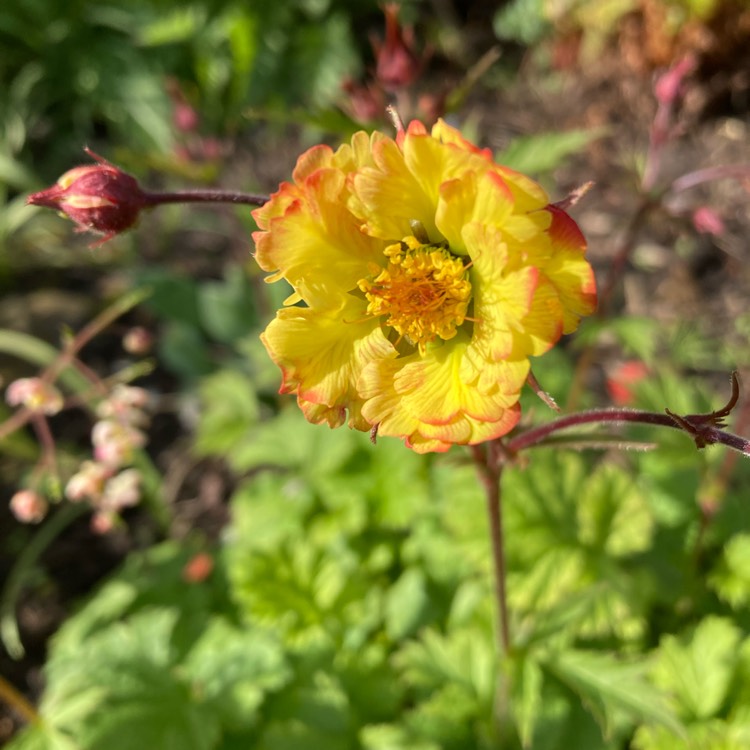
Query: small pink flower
x=88, y=482
x=115, y=442
x=35, y=394
x=28, y=506
x=122, y=491
x=125, y=404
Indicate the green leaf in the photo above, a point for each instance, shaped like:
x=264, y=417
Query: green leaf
x=613, y=689
x=314, y=713
x=235, y=670
x=406, y=603
x=184, y=350
x=522, y=21
x=534, y=154
x=698, y=671
x=731, y=577
x=174, y=297
x=465, y=657
x=526, y=690
x=129, y=670
x=613, y=514
x=305, y=592
x=229, y=411
x=227, y=308
x=393, y=737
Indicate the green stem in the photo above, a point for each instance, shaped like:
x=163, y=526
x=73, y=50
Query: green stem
x=21, y=572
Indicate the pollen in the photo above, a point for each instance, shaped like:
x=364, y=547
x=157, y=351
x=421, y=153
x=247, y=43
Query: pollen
x=424, y=292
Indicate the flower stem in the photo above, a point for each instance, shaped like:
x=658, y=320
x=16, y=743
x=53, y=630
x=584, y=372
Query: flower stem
x=17, y=701
x=696, y=425
x=490, y=471
x=205, y=196
x=21, y=571
x=709, y=174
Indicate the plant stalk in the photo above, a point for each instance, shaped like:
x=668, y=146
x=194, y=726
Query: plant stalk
x=490, y=472
x=205, y=196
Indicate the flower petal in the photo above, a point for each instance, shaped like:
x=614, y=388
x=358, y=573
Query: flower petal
x=426, y=399
x=321, y=355
x=569, y=271
x=316, y=244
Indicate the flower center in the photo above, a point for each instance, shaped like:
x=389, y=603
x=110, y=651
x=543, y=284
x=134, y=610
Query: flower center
x=423, y=291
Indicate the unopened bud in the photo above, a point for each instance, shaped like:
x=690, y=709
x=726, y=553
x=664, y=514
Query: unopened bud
x=138, y=340
x=97, y=197
x=668, y=86
x=397, y=64
x=198, y=568
x=28, y=506
x=103, y=522
x=707, y=221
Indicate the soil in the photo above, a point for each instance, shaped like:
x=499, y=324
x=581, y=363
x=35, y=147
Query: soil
x=672, y=274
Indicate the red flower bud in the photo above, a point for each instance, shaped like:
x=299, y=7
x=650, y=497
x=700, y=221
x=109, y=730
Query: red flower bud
x=397, y=63
x=97, y=197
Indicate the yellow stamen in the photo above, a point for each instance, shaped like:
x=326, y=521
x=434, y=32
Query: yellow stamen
x=423, y=291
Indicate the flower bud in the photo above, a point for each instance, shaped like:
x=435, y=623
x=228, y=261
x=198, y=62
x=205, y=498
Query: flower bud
x=397, y=64
x=28, y=506
x=668, y=87
x=708, y=221
x=623, y=380
x=138, y=340
x=97, y=197
x=198, y=568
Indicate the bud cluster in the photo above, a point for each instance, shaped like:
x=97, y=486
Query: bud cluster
x=106, y=482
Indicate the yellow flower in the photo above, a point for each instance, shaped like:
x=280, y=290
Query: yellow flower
x=424, y=276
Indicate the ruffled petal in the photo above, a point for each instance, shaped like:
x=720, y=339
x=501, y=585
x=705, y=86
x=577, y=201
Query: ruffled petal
x=316, y=244
x=321, y=356
x=390, y=184
x=426, y=399
x=569, y=271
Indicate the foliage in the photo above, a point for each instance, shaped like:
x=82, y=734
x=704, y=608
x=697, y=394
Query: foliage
x=351, y=607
